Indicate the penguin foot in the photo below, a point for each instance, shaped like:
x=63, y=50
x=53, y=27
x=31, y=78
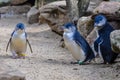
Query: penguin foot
x=80, y=62
x=73, y=62
x=22, y=56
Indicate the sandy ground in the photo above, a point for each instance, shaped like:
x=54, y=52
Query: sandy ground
x=49, y=61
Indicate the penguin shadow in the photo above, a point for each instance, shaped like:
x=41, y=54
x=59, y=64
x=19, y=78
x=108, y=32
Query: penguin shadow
x=5, y=57
x=56, y=62
x=10, y=57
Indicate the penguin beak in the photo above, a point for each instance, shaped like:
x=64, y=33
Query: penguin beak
x=95, y=28
x=64, y=29
x=20, y=29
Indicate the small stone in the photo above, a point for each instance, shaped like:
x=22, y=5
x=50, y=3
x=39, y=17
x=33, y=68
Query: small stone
x=75, y=68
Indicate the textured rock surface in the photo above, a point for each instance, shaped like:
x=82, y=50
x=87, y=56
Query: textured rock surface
x=54, y=14
x=115, y=41
x=15, y=9
x=33, y=15
x=109, y=9
x=85, y=26
x=18, y=1
x=92, y=5
x=8, y=73
x=115, y=24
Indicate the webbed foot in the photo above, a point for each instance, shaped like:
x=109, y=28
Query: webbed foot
x=80, y=62
x=22, y=56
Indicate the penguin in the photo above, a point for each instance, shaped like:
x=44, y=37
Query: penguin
x=76, y=44
x=18, y=42
x=102, y=44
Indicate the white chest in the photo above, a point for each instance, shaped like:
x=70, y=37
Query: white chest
x=73, y=47
x=19, y=36
x=18, y=42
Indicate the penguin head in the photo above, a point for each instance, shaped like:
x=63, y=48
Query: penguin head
x=69, y=27
x=20, y=26
x=99, y=21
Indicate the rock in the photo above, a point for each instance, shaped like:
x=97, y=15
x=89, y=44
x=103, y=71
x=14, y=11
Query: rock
x=33, y=15
x=91, y=37
x=8, y=73
x=54, y=14
x=15, y=9
x=92, y=5
x=115, y=0
x=15, y=2
x=85, y=26
x=115, y=24
x=109, y=9
x=115, y=41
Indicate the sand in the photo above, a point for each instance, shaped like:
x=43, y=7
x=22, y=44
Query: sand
x=49, y=61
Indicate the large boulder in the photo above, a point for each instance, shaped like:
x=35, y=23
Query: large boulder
x=109, y=9
x=115, y=41
x=85, y=26
x=33, y=15
x=92, y=5
x=15, y=2
x=8, y=73
x=54, y=14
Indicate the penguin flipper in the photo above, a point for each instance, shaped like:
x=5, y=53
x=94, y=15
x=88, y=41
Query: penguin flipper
x=87, y=49
x=8, y=44
x=29, y=45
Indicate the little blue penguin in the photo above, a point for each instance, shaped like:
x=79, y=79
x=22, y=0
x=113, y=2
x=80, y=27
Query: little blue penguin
x=76, y=44
x=18, y=42
x=102, y=44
